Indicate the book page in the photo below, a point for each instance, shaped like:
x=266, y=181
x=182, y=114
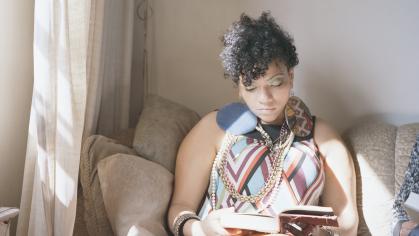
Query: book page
x=254, y=222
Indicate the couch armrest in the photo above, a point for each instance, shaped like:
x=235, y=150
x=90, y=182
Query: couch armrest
x=7, y=213
x=96, y=148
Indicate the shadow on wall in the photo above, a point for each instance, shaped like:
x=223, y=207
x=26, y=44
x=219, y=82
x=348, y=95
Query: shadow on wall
x=346, y=94
x=332, y=97
x=396, y=119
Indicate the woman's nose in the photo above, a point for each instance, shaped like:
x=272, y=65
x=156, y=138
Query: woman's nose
x=264, y=96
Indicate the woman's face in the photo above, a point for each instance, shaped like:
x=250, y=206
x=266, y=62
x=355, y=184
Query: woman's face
x=267, y=96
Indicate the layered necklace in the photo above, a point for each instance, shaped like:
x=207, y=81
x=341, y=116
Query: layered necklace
x=278, y=150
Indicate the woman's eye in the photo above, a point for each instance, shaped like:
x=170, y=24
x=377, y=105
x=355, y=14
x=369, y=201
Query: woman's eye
x=249, y=88
x=276, y=83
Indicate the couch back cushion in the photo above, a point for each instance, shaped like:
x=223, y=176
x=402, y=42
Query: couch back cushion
x=136, y=194
x=372, y=146
x=161, y=128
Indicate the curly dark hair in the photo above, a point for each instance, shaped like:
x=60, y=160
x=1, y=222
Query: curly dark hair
x=250, y=45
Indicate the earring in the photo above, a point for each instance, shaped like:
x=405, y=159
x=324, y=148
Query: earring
x=298, y=117
x=292, y=93
x=290, y=117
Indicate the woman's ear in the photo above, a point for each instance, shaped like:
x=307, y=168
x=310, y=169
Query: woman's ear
x=291, y=76
x=240, y=95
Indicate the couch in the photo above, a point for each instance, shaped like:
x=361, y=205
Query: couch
x=6, y=216
x=126, y=180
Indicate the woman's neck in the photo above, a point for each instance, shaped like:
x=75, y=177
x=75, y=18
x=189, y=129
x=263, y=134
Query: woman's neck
x=278, y=121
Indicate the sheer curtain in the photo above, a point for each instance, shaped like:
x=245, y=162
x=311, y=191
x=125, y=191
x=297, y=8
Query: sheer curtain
x=109, y=67
x=82, y=83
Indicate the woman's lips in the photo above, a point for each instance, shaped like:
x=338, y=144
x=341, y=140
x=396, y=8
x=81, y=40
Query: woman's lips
x=266, y=109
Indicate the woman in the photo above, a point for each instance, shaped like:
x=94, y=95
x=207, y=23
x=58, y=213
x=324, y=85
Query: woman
x=265, y=154
x=402, y=224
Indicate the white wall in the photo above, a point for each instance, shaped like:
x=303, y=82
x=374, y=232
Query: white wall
x=16, y=78
x=357, y=58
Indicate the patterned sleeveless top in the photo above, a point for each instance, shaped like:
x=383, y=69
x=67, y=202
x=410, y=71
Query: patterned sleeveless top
x=249, y=164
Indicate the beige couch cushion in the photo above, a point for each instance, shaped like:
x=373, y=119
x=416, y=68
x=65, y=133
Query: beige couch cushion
x=124, y=137
x=95, y=148
x=162, y=126
x=372, y=146
x=136, y=193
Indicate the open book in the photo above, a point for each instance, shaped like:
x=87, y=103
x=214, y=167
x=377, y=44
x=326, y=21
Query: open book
x=411, y=205
x=309, y=215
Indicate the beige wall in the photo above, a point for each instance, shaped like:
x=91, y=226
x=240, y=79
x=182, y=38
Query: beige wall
x=16, y=78
x=358, y=58
x=184, y=62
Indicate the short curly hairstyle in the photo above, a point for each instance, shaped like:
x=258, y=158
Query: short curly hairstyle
x=250, y=45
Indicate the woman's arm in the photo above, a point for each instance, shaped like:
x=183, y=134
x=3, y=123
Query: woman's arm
x=193, y=167
x=340, y=184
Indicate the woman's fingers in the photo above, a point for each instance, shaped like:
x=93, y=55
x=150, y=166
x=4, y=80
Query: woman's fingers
x=212, y=222
x=235, y=232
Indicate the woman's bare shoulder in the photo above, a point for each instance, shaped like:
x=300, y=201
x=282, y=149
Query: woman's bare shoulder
x=327, y=138
x=208, y=123
x=324, y=132
x=208, y=129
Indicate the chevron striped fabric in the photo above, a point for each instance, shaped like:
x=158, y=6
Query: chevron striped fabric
x=248, y=167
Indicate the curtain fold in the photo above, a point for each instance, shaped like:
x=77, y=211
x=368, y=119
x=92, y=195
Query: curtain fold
x=56, y=120
x=82, y=83
x=109, y=67
x=95, y=61
x=114, y=69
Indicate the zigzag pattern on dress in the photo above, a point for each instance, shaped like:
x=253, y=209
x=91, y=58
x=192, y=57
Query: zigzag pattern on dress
x=248, y=167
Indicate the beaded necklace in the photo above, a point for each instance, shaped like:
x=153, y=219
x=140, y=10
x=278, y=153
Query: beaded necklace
x=278, y=151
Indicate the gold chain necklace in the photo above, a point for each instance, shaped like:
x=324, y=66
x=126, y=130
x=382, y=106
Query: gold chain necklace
x=278, y=152
x=268, y=141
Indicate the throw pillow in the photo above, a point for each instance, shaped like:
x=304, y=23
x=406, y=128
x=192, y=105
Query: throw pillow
x=162, y=126
x=136, y=194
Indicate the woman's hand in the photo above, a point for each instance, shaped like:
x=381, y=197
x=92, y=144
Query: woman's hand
x=211, y=224
x=407, y=227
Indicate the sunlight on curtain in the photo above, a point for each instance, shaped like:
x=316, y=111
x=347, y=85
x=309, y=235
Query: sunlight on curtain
x=48, y=203
x=82, y=86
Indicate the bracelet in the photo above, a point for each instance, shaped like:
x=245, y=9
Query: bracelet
x=181, y=221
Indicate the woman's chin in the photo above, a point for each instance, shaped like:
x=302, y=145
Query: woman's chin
x=269, y=119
